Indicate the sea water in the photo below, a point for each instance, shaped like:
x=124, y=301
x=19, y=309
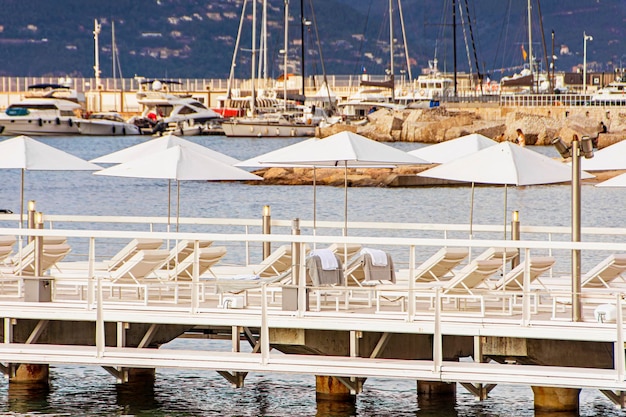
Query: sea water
x=90, y=391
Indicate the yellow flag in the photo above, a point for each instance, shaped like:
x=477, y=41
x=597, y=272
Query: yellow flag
x=524, y=54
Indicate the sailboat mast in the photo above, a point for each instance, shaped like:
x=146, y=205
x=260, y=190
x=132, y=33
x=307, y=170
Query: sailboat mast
x=454, y=47
x=391, y=45
x=113, y=49
x=262, y=68
x=253, y=94
x=286, y=48
x=302, y=23
x=530, y=45
x=96, y=67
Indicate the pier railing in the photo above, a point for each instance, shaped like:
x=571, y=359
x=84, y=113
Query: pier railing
x=534, y=311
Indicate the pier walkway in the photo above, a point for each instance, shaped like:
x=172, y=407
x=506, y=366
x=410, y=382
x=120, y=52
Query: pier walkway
x=476, y=334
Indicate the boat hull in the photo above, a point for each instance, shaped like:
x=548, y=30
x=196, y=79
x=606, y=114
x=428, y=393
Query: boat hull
x=107, y=128
x=41, y=126
x=266, y=130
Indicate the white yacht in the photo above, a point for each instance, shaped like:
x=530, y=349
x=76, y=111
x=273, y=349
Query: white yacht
x=163, y=110
x=48, y=109
x=614, y=93
x=106, y=124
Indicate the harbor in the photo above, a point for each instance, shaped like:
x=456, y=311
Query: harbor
x=347, y=335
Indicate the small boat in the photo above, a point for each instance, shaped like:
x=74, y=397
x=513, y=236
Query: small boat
x=268, y=125
x=614, y=93
x=107, y=124
x=48, y=109
x=299, y=122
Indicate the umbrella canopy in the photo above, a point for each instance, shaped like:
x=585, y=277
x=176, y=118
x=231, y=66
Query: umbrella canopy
x=346, y=149
x=160, y=144
x=25, y=153
x=504, y=164
x=280, y=154
x=609, y=158
x=618, y=181
x=453, y=149
x=342, y=150
x=178, y=163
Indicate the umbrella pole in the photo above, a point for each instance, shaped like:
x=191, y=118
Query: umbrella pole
x=22, y=200
x=471, y=232
x=314, y=204
x=169, y=199
x=505, y=208
x=345, y=198
x=177, y=203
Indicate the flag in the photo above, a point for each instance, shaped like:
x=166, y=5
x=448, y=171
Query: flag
x=524, y=54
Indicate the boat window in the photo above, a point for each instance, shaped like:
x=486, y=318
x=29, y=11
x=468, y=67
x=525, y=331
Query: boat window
x=35, y=106
x=198, y=105
x=187, y=110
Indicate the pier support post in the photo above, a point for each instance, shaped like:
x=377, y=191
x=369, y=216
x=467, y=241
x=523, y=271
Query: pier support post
x=328, y=388
x=432, y=389
x=29, y=373
x=551, y=399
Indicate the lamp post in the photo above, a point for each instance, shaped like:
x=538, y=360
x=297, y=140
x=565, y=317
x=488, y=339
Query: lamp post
x=577, y=149
x=585, y=39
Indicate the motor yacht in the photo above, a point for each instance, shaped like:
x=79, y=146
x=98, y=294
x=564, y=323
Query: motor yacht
x=614, y=93
x=164, y=110
x=106, y=124
x=47, y=109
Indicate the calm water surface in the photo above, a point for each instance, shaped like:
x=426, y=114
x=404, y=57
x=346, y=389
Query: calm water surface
x=90, y=391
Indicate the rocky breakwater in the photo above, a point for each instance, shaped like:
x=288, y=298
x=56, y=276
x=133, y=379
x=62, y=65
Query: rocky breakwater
x=539, y=124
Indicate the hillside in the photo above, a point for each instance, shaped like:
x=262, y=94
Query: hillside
x=195, y=38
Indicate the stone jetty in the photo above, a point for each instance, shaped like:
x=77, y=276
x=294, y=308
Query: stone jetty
x=539, y=124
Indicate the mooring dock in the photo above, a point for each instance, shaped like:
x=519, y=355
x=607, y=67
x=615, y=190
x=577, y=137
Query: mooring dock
x=427, y=329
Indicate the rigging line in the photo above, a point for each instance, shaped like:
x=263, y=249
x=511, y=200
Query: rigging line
x=367, y=17
x=232, y=64
x=502, y=39
x=543, y=39
x=442, y=29
x=480, y=75
x=319, y=48
x=406, y=47
x=467, y=52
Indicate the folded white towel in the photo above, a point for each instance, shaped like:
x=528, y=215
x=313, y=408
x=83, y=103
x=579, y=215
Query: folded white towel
x=379, y=257
x=327, y=257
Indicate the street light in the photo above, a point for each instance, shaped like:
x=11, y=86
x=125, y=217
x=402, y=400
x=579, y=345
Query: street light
x=585, y=39
x=577, y=149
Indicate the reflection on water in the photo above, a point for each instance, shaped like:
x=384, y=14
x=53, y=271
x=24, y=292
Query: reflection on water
x=28, y=397
x=90, y=391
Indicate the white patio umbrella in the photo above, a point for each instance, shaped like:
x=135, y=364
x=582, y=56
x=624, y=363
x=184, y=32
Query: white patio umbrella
x=344, y=150
x=25, y=153
x=160, y=144
x=178, y=163
x=617, y=181
x=453, y=149
x=504, y=164
x=609, y=158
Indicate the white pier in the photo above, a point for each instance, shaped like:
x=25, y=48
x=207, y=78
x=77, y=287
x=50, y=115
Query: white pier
x=476, y=333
